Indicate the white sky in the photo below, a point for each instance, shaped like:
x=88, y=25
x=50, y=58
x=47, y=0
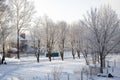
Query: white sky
x=71, y=10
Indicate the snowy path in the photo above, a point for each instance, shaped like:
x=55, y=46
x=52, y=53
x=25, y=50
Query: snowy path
x=8, y=72
x=28, y=69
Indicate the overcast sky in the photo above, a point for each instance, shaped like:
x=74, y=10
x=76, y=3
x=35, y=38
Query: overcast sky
x=71, y=10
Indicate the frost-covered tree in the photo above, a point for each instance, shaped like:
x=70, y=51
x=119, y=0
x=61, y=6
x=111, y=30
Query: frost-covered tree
x=81, y=42
x=62, y=37
x=72, y=38
x=23, y=11
x=37, y=36
x=79, y=36
x=51, y=35
x=104, y=35
x=5, y=28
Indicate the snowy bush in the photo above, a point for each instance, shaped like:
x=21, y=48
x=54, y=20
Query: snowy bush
x=56, y=73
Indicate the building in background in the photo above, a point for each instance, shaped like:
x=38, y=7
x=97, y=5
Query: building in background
x=23, y=42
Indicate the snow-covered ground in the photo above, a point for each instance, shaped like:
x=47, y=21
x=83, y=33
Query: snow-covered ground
x=28, y=69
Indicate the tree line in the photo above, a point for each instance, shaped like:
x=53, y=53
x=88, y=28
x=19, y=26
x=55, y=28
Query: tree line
x=98, y=34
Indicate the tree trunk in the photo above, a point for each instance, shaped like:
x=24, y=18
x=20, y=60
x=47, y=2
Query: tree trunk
x=85, y=56
x=38, y=60
x=78, y=53
x=3, y=57
x=73, y=54
x=94, y=58
x=49, y=55
x=38, y=54
x=101, y=64
x=62, y=51
x=18, y=48
x=62, y=55
x=104, y=62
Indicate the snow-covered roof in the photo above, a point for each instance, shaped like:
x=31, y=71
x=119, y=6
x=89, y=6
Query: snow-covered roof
x=20, y=38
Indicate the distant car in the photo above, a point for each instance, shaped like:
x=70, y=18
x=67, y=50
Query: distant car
x=53, y=54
